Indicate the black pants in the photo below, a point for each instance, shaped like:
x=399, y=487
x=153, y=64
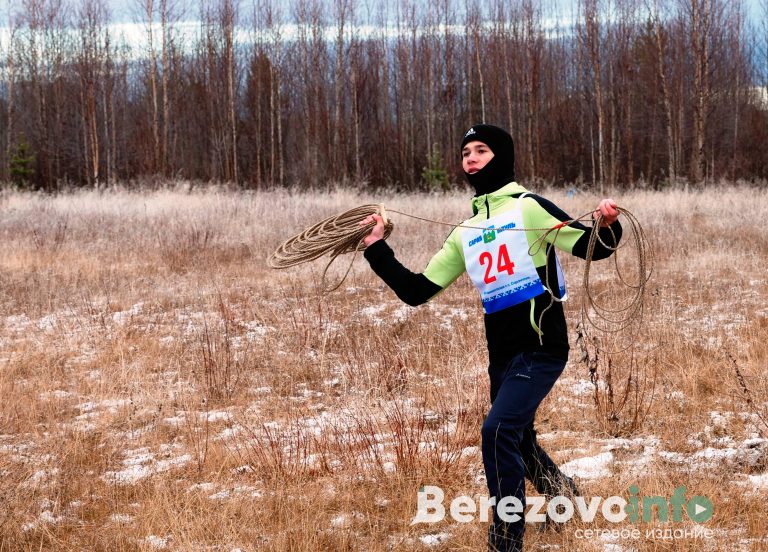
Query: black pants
x=510, y=450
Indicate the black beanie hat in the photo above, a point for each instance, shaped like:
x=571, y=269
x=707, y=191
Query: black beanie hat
x=500, y=170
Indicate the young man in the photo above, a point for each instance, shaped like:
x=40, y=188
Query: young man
x=525, y=359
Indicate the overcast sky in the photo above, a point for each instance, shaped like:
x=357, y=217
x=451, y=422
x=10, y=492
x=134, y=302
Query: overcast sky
x=123, y=10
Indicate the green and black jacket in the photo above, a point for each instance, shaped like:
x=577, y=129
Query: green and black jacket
x=512, y=330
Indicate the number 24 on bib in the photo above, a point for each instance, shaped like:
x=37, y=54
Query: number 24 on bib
x=498, y=263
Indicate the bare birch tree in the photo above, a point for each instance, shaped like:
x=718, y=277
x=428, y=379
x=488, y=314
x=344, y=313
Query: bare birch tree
x=590, y=37
x=10, y=79
x=699, y=14
x=661, y=57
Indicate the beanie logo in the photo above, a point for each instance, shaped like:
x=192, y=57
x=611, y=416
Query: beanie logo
x=470, y=132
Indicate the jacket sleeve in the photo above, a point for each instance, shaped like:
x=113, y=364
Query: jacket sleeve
x=573, y=238
x=412, y=288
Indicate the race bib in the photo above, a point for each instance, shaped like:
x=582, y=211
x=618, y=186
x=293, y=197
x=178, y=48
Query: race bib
x=498, y=263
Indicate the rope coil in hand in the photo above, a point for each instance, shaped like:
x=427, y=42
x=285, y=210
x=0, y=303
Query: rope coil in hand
x=604, y=318
x=335, y=235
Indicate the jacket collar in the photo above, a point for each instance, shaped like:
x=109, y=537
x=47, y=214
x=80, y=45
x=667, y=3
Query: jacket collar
x=494, y=198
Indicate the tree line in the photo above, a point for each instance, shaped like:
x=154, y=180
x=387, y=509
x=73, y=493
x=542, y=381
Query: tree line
x=311, y=92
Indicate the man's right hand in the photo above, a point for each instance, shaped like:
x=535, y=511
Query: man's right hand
x=377, y=232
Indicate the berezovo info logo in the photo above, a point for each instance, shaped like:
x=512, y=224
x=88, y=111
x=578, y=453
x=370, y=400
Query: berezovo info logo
x=561, y=509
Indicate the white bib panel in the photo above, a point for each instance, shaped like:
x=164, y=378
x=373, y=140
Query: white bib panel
x=498, y=263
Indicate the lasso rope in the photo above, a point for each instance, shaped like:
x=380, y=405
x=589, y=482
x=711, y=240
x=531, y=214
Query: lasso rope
x=335, y=235
x=602, y=317
x=343, y=233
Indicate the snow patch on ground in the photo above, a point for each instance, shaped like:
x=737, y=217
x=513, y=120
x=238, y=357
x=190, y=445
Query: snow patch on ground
x=434, y=539
x=46, y=517
x=750, y=452
x=157, y=543
x=122, y=317
x=226, y=494
x=758, y=482
x=59, y=394
x=590, y=467
x=40, y=478
x=577, y=387
x=140, y=464
x=108, y=405
x=345, y=520
x=222, y=416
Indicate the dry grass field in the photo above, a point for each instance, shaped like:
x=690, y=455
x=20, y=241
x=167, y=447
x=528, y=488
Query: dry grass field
x=162, y=389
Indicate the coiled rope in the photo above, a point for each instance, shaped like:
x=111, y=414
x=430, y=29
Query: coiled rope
x=606, y=317
x=343, y=233
x=335, y=235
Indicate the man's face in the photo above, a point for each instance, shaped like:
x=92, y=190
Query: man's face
x=474, y=156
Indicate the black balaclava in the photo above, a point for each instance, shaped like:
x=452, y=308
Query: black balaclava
x=500, y=170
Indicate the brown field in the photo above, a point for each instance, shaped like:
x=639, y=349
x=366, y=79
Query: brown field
x=163, y=389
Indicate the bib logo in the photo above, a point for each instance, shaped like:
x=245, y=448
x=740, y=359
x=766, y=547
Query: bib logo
x=490, y=234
